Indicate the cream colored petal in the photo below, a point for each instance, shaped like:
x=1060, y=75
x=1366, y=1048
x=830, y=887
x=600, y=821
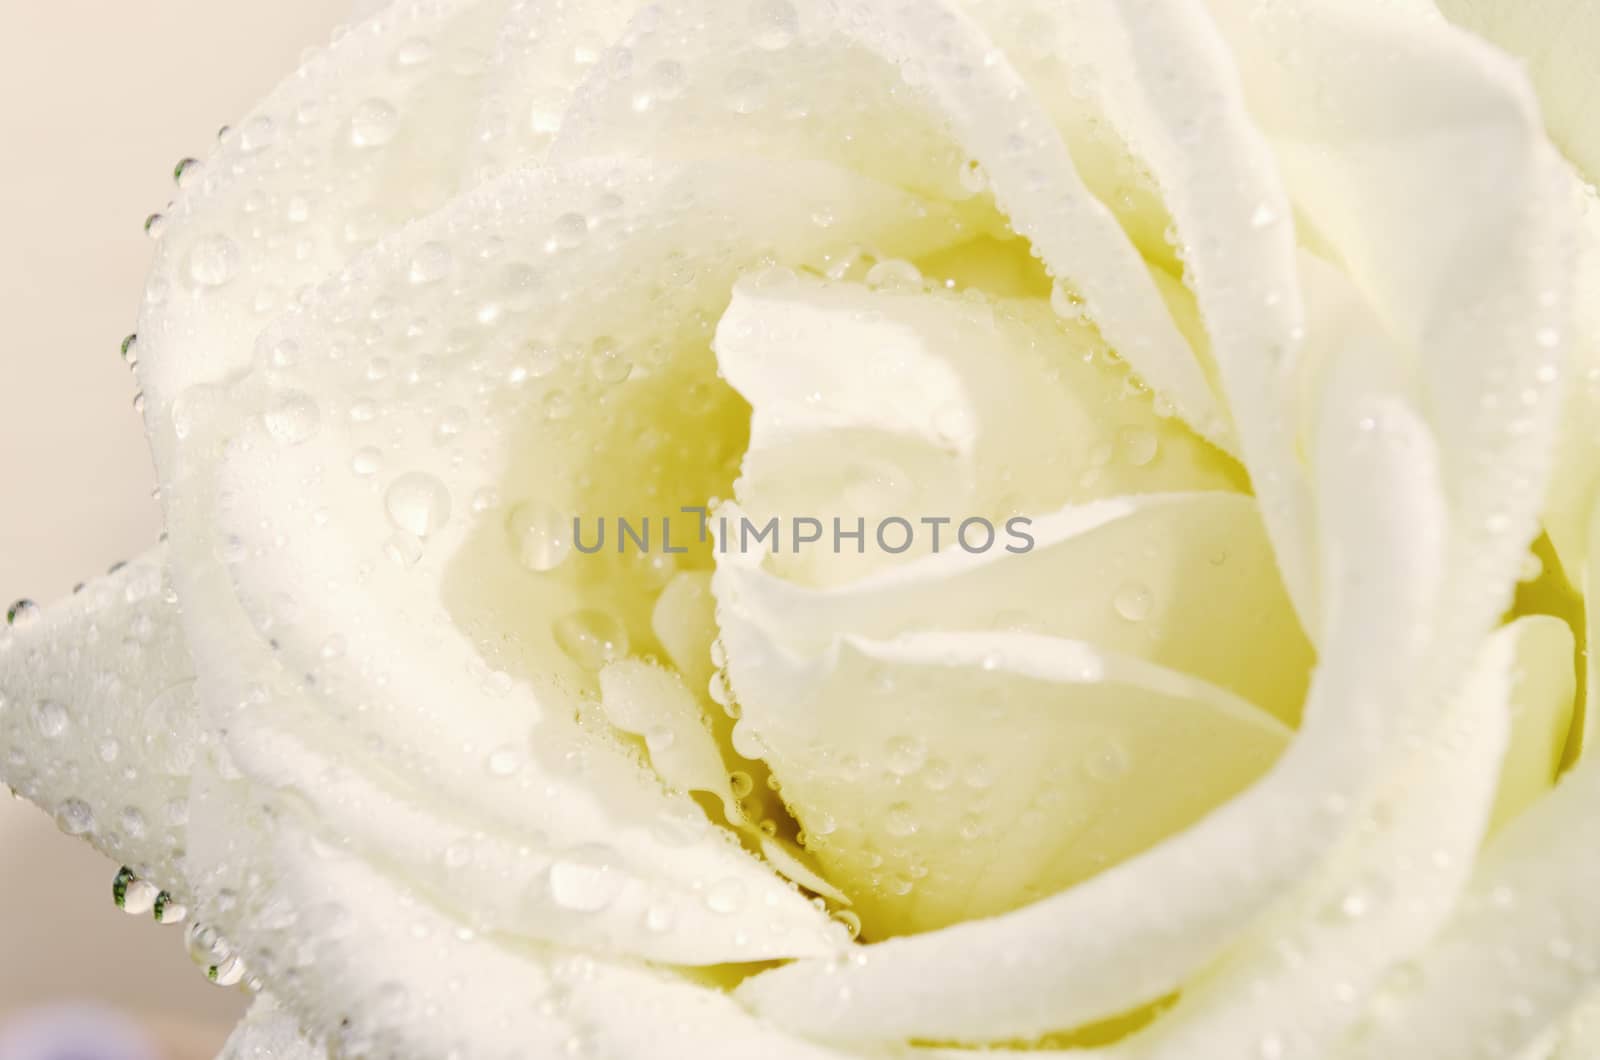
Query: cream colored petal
x=777, y=81
x=98, y=720
x=269, y=1032
x=1134, y=936
x=368, y=134
x=1519, y=953
x=1557, y=39
x=1542, y=703
x=394, y=596
x=1167, y=85
x=1418, y=154
x=1308, y=970
x=1184, y=580
x=945, y=777
x=1035, y=181
x=374, y=965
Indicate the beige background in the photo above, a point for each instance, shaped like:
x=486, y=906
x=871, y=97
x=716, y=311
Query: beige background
x=97, y=101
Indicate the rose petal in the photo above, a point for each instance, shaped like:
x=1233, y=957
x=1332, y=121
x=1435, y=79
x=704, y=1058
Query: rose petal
x=1530, y=907
x=1037, y=184
x=1546, y=685
x=98, y=721
x=474, y=676
x=1184, y=580
x=943, y=777
x=268, y=1032
x=1134, y=937
x=382, y=969
x=354, y=144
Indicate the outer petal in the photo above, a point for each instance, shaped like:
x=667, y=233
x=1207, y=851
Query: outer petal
x=268, y=1032
x=98, y=721
x=387, y=972
x=1557, y=39
x=1521, y=951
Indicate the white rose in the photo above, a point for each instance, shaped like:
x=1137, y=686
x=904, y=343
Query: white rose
x=1255, y=313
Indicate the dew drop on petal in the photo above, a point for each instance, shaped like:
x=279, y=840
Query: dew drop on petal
x=292, y=417
x=51, y=719
x=591, y=638
x=585, y=879
x=22, y=613
x=417, y=503
x=430, y=263
x=213, y=260
x=725, y=896
x=1134, y=602
x=75, y=817
x=540, y=535
x=374, y=123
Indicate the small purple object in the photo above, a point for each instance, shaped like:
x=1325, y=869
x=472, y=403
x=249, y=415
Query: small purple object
x=73, y=1032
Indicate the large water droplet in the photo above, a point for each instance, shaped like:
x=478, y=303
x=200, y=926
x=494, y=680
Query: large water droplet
x=213, y=260
x=22, y=613
x=292, y=417
x=540, y=535
x=586, y=879
x=75, y=817
x=418, y=503
x=51, y=719
x=431, y=262
x=374, y=123
x=591, y=638
x=1134, y=602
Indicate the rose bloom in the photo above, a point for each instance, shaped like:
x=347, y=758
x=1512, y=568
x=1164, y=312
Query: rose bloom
x=1272, y=320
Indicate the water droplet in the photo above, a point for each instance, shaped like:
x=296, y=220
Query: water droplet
x=608, y=362
x=569, y=230
x=899, y=821
x=585, y=879
x=292, y=417
x=51, y=719
x=725, y=896
x=505, y=762
x=741, y=784
x=130, y=350
x=75, y=817
x=540, y=535
x=430, y=263
x=894, y=274
x=22, y=613
x=774, y=24
x=185, y=171
x=374, y=123
x=403, y=549
x=906, y=756
x=155, y=225
x=591, y=638
x=213, y=260
x=1134, y=602
x=167, y=910
x=1139, y=444
x=417, y=503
